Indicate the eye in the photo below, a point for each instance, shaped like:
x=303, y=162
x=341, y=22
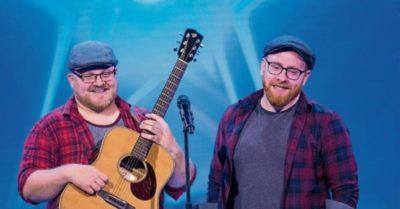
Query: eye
x=293, y=71
x=275, y=66
x=88, y=76
x=107, y=73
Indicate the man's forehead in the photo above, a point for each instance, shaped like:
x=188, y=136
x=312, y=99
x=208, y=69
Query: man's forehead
x=287, y=58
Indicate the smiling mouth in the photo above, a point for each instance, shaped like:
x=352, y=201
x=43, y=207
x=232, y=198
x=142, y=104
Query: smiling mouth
x=99, y=90
x=280, y=87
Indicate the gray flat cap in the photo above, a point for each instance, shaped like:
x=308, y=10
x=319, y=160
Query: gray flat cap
x=91, y=53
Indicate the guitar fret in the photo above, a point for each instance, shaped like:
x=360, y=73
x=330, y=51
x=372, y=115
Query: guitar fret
x=173, y=81
x=156, y=111
x=167, y=95
x=141, y=148
x=176, y=77
x=165, y=98
x=159, y=105
x=169, y=85
x=162, y=102
x=171, y=90
x=142, y=155
x=181, y=69
x=178, y=73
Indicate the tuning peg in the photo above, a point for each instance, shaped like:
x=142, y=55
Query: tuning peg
x=178, y=42
x=175, y=49
x=180, y=34
x=201, y=45
x=194, y=60
x=198, y=52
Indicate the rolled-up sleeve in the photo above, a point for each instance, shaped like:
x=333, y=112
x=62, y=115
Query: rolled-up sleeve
x=38, y=153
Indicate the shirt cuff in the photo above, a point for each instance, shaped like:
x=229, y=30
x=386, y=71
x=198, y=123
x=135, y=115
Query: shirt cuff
x=176, y=192
x=333, y=204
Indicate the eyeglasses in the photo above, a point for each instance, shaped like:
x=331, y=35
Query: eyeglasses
x=276, y=69
x=91, y=77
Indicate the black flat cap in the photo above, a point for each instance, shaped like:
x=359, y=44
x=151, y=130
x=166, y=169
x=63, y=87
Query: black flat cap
x=291, y=43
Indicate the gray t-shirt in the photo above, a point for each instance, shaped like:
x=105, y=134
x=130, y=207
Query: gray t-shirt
x=259, y=159
x=98, y=131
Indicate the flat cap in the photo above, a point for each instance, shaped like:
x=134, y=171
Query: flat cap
x=291, y=43
x=91, y=53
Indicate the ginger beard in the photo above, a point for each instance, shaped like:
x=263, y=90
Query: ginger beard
x=97, y=98
x=280, y=99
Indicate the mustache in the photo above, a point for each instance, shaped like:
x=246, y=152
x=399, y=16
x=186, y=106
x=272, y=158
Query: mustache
x=283, y=84
x=102, y=87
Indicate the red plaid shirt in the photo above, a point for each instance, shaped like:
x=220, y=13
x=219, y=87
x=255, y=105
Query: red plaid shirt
x=319, y=161
x=63, y=137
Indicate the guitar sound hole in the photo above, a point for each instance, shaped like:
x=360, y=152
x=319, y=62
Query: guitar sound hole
x=132, y=169
x=146, y=188
x=141, y=175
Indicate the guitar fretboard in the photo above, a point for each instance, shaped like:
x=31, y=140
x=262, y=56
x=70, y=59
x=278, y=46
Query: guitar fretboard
x=142, y=147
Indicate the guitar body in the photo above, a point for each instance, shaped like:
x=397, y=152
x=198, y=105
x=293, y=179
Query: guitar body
x=135, y=183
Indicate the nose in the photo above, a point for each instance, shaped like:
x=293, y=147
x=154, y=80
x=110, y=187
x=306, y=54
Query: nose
x=282, y=76
x=98, y=81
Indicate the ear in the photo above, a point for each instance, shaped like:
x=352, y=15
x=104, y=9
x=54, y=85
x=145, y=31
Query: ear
x=306, y=76
x=262, y=66
x=71, y=79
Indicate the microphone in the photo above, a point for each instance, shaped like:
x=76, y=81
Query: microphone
x=186, y=113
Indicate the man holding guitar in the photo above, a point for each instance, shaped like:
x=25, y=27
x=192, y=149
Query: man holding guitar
x=60, y=147
x=277, y=150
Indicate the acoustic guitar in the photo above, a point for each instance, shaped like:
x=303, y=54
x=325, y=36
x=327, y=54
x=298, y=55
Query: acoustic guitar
x=137, y=169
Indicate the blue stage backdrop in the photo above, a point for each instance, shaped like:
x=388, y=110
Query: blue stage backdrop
x=357, y=70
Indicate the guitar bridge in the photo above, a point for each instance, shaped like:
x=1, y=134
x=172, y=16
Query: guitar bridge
x=114, y=201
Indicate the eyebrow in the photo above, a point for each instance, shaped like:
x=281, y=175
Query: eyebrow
x=283, y=66
x=102, y=71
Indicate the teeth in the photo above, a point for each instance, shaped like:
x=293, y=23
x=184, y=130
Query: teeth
x=281, y=87
x=99, y=90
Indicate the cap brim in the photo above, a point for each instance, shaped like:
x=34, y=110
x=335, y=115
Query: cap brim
x=95, y=66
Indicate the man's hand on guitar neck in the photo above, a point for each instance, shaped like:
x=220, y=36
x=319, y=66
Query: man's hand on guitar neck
x=162, y=135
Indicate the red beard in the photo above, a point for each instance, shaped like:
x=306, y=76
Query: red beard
x=280, y=100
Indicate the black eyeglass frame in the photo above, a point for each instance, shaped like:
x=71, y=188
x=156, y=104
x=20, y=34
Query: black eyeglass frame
x=286, y=70
x=101, y=75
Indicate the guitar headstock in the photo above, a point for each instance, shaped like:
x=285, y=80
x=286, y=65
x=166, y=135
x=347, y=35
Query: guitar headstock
x=190, y=43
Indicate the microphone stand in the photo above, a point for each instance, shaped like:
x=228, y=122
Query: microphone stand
x=187, y=168
x=188, y=128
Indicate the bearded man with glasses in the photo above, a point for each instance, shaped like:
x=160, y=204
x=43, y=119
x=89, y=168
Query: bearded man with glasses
x=60, y=146
x=277, y=150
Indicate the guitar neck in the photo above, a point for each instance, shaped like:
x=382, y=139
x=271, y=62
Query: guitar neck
x=142, y=147
x=168, y=92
